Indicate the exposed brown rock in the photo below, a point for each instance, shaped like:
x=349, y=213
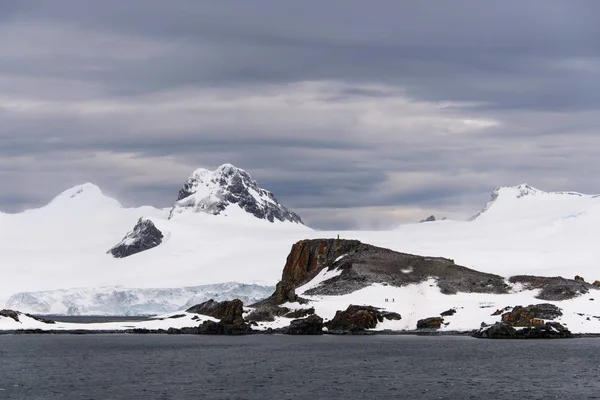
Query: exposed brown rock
x=308, y=257
x=531, y=315
x=579, y=278
x=430, y=323
x=359, y=318
x=596, y=283
x=229, y=312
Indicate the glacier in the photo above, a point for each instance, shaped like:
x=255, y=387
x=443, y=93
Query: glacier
x=132, y=301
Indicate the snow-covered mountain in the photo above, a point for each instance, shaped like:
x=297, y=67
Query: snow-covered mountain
x=64, y=244
x=215, y=192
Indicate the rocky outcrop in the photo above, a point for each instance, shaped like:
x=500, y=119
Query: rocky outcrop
x=284, y=292
x=448, y=313
x=144, y=236
x=300, y=313
x=531, y=315
x=212, y=192
x=229, y=312
x=267, y=313
x=548, y=330
x=358, y=319
x=430, y=323
x=553, y=288
x=362, y=265
x=312, y=325
x=431, y=218
x=10, y=314
x=308, y=257
x=596, y=284
x=15, y=315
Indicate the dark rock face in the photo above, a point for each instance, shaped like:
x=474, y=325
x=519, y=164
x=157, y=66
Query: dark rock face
x=301, y=313
x=229, y=312
x=220, y=328
x=308, y=257
x=144, y=236
x=549, y=330
x=553, y=288
x=312, y=325
x=431, y=218
x=531, y=315
x=430, y=323
x=231, y=185
x=267, y=313
x=10, y=314
x=359, y=318
x=448, y=313
x=284, y=292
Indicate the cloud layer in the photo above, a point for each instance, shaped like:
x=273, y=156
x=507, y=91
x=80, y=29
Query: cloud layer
x=354, y=114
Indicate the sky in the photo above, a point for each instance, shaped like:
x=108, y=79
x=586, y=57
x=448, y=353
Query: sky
x=355, y=114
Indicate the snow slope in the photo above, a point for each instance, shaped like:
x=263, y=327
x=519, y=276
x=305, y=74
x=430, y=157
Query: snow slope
x=63, y=245
x=166, y=321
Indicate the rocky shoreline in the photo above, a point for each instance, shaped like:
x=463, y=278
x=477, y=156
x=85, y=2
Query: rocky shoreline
x=320, y=268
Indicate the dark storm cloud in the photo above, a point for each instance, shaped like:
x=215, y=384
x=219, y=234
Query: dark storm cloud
x=342, y=105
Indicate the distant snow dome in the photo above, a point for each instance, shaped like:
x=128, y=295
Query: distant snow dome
x=526, y=202
x=85, y=196
x=216, y=192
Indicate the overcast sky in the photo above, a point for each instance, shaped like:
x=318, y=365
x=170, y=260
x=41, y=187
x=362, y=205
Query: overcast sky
x=353, y=113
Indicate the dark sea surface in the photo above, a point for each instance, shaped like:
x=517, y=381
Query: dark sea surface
x=293, y=367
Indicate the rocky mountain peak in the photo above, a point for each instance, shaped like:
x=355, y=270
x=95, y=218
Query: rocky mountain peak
x=213, y=192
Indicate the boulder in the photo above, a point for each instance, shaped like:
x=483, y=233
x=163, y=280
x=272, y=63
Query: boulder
x=596, y=284
x=579, y=278
x=548, y=330
x=430, y=323
x=359, y=318
x=312, y=325
x=531, y=315
x=229, y=312
x=448, y=313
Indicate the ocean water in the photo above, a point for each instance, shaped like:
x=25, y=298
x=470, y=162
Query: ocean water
x=293, y=367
